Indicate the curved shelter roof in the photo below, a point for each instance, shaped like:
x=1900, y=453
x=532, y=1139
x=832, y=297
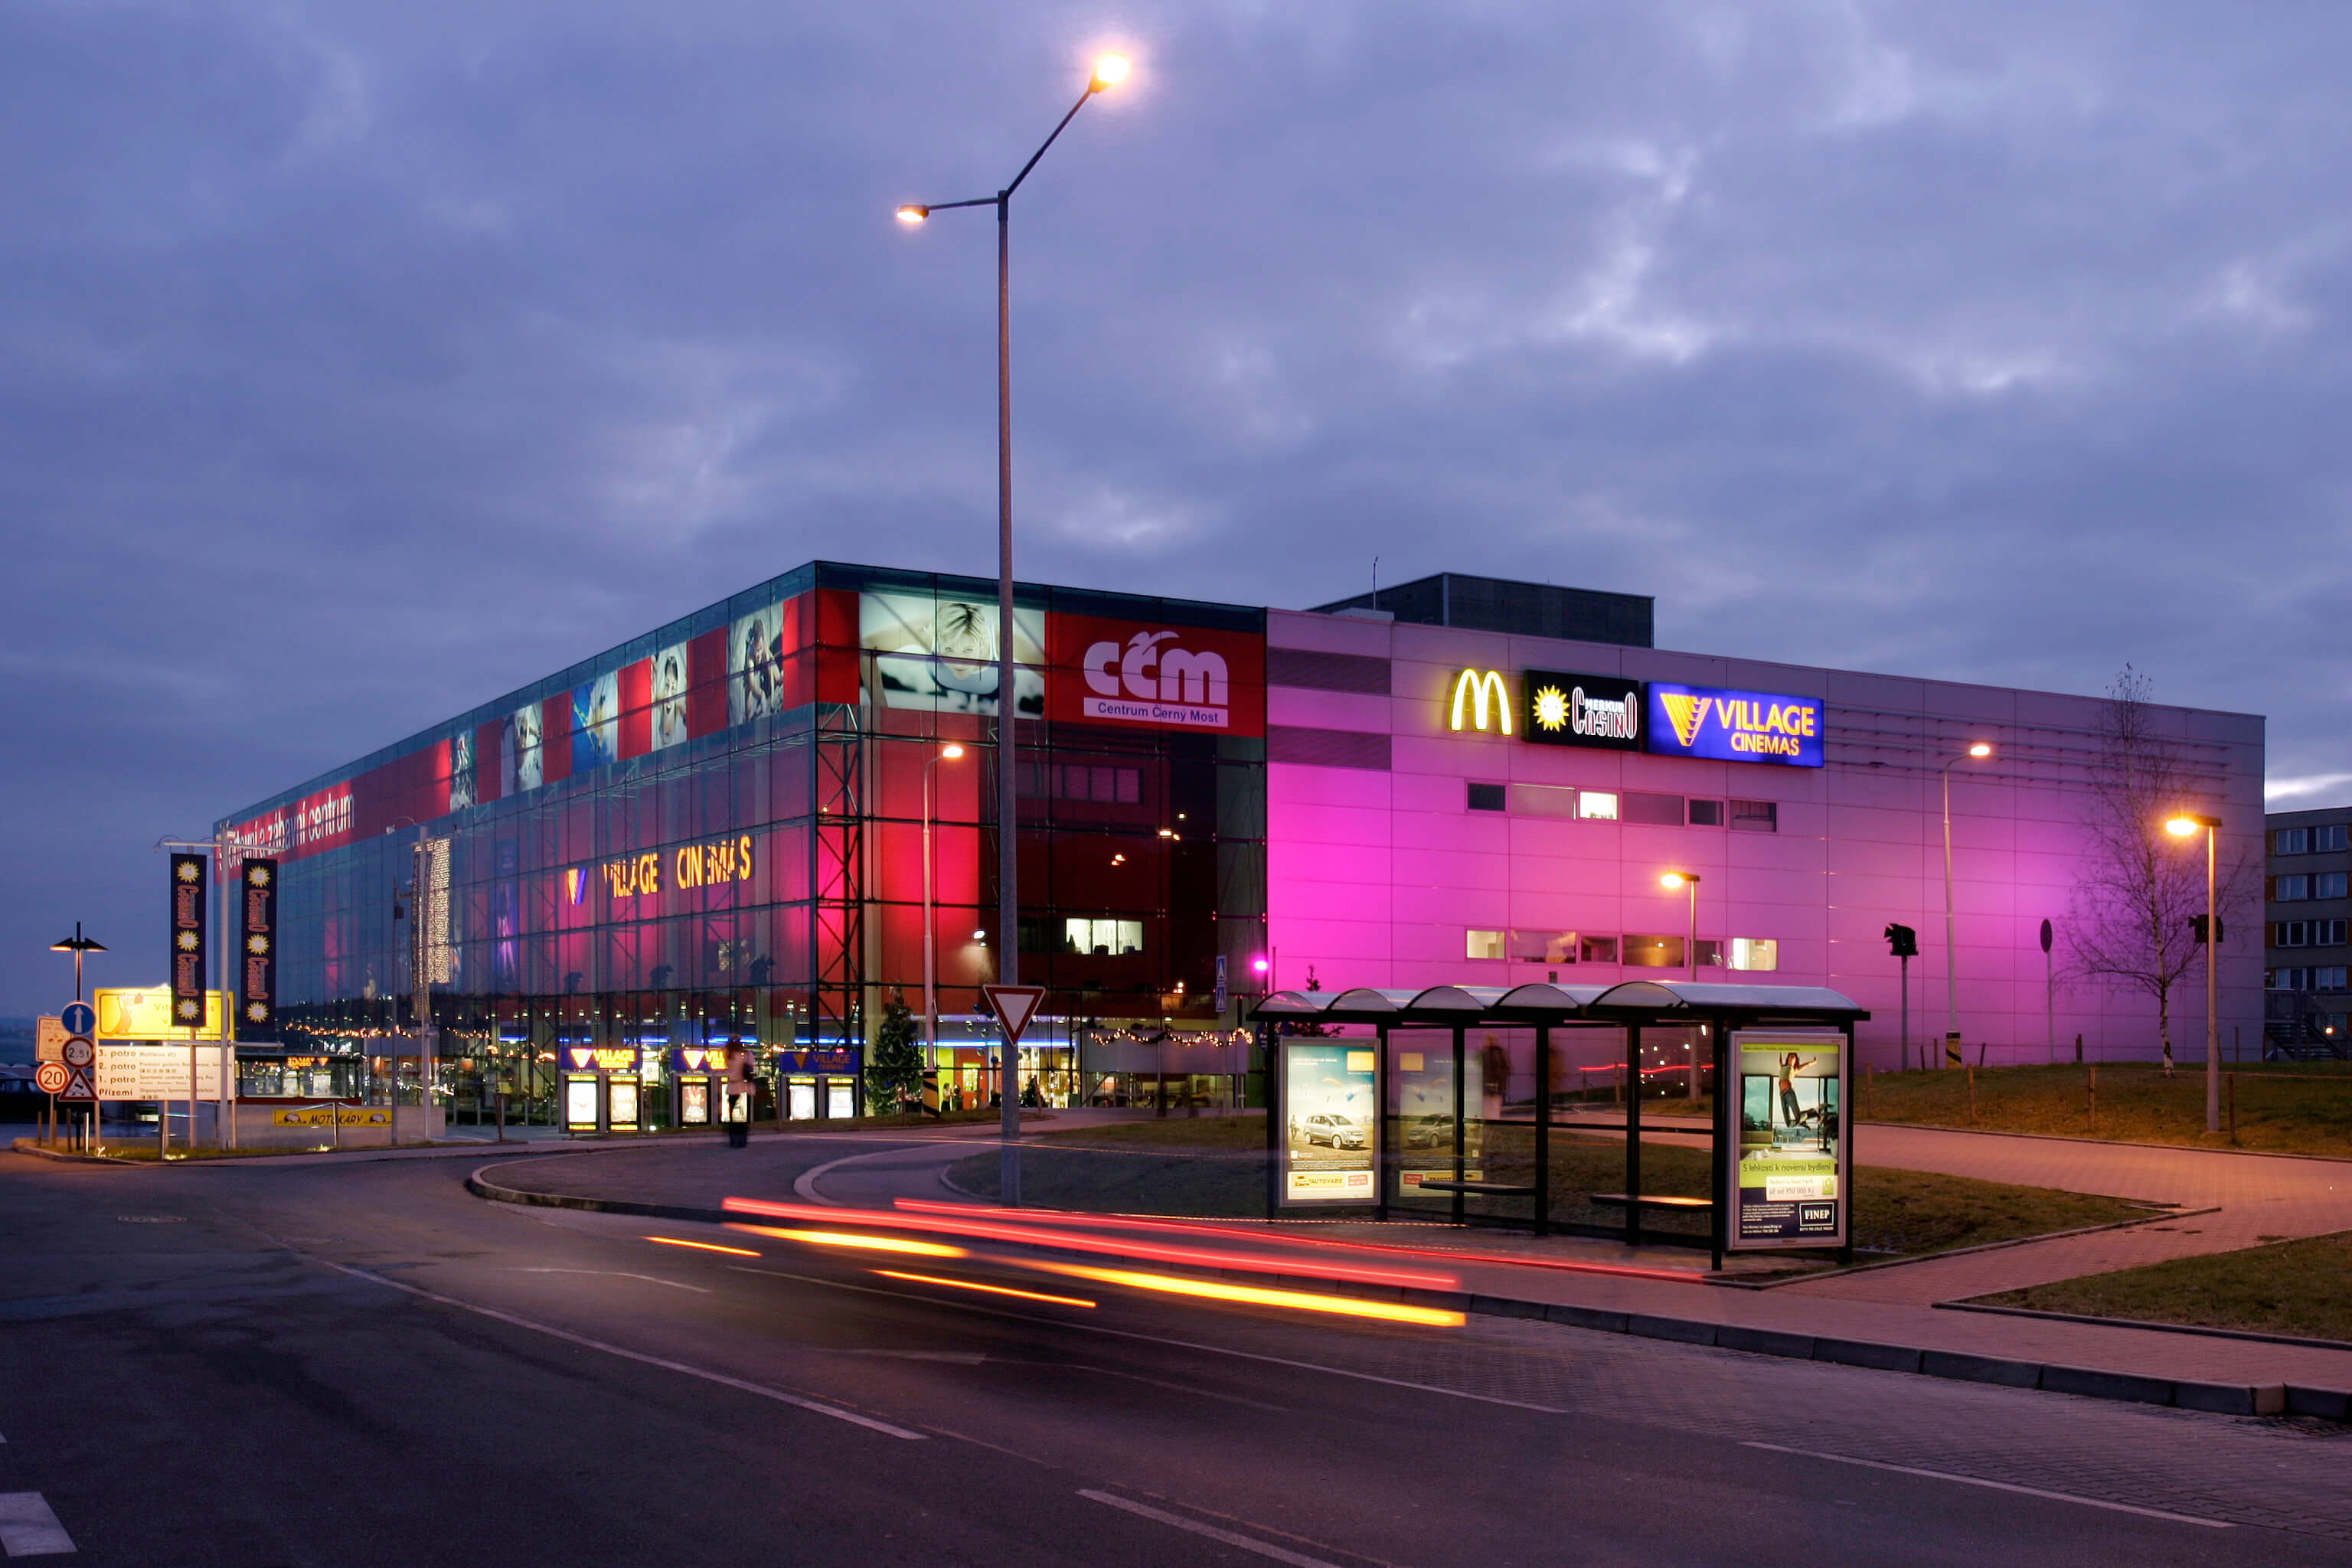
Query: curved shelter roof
x=1628, y=1002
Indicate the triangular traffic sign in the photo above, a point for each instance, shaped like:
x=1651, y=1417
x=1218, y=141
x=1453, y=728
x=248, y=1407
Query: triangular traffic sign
x=79, y=1085
x=1013, y=1005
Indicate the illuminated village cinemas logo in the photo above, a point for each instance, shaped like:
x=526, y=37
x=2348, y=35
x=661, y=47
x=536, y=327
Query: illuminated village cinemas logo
x=688, y=866
x=1568, y=710
x=1150, y=680
x=1734, y=726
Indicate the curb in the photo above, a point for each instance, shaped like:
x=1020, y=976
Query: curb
x=2146, y=1323
x=1732, y=1282
x=27, y=1146
x=2108, y=1143
x=2216, y=1398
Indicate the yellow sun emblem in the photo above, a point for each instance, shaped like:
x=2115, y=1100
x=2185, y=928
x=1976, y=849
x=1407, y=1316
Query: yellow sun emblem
x=1551, y=708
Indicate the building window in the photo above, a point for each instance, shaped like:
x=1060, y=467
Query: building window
x=1487, y=797
x=2290, y=890
x=2329, y=978
x=1755, y=817
x=2329, y=884
x=2330, y=837
x=1543, y=800
x=2291, y=841
x=1596, y=950
x=1653, y=951
x=1707, y=814
x=1657, y=810
x=1073, y=781
x=1596, y=804
x=2307, y=933
x=1102, y=937
x=1485, y=945
x=1544, y=946
x=1754, y=952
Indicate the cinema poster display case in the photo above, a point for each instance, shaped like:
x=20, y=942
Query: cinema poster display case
x=1790, y=1182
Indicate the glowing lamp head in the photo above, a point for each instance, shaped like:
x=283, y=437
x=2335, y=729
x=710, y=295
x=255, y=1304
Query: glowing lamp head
x=951, y=752
x=2182, y=827
x=1110, y=71
x=910, y=215
x=1981, y=749
x=1258, y=966
x=979, y=936
x=1672, y=880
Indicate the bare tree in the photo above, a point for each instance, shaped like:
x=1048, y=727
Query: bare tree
x=2140, y=889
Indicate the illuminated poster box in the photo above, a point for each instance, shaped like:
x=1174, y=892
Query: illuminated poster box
x=144, y=1012
x=1791, y=1182
x=1331, y=1152
x=1734, y=726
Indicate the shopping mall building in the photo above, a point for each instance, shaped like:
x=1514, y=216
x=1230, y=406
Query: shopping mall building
x=717, y=834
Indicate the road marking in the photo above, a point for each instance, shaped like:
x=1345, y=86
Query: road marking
x=1153, y=1340
x=28, y=1528
x=817, y=1406
x=1230, y=1537
x=1997, y=1486
x=623, y=1274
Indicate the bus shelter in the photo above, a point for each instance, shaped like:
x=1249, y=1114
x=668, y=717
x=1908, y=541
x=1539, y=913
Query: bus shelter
x=1417, y=1123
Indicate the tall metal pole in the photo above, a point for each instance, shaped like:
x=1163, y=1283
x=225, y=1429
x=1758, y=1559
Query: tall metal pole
x=1008, y=812
x=2213, y=1015
x=1694, y=927
x=1951, y=942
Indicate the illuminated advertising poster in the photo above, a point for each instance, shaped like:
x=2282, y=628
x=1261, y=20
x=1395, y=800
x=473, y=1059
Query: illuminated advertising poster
x=462, y=793
x=580, y=1103
x=939, y=655
x=1330, y=1154
x=1734, y=726
x=1133, y=673
x=624, y=1091
x=1603, y=711
x=523, y=762
x=257, y=950
x=669, y=695
x=596, y=724
x=755, y=665
x=1788, y=1186
x=188, y=940
x=1423, y=1088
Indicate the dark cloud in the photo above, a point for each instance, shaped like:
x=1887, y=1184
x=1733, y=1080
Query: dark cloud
x=358, y=365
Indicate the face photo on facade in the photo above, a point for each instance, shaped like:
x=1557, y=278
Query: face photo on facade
x=755, y=665
x=596, y=724
x=530, y=762
x=462, y=793
x=669, y=695
x=939, y=655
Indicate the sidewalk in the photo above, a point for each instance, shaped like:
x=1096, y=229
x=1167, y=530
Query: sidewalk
x=1578, y=1281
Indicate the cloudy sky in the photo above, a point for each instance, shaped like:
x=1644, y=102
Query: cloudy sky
x=358, y=364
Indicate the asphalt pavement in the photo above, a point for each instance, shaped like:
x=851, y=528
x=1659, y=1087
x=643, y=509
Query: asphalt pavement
x=278, y=1363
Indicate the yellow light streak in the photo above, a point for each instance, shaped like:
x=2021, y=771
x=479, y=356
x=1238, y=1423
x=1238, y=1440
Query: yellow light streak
x=1258, y=1295
x=862, y=1243
x=992, y=1289
x=705, y=1245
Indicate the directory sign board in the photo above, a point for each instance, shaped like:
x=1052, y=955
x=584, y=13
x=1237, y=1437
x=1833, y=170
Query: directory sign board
x=1734, y=726
x=156, y=1072
x=1791, y=1184
x=1330, y=1151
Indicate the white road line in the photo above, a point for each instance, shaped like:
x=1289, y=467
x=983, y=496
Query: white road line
x=817, y=1406
x=1153, y=1340
x=1230, y=1537
x=28, y=1528
x=622, y=1274
x=1997, y=1486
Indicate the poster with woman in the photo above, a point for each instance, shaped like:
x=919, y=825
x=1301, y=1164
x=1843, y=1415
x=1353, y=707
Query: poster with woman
x=1788, y=1186
x=669, y=695
x=755, y=674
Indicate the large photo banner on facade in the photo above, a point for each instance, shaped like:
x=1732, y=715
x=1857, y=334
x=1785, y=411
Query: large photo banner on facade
x=1330, y=1148
x=1788, y=1186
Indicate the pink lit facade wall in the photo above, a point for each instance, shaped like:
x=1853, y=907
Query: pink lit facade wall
x=1377, y=874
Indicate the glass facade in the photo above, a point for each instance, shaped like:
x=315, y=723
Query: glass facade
x=716, y=835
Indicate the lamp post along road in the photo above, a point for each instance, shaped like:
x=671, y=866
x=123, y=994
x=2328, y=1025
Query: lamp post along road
x=2182, y=827
x=1670, y=881
x=1980, y=751
x=930, y=920
x=1108, y=71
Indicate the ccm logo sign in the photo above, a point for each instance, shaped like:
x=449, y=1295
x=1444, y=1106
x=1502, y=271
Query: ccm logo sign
x=1189, y=677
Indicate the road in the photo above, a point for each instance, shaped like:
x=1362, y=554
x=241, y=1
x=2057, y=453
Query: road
x=283, y=1363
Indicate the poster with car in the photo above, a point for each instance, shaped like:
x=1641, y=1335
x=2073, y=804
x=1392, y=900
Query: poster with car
x=1331, y=1151
x=1422, y=1087
x=1790, y=1184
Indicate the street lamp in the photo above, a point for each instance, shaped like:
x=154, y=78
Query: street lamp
x=1672, y=880
x=77, y=944
x=946, y=754
x=1109, y=70
x=1979, y=750
x=2185, y=825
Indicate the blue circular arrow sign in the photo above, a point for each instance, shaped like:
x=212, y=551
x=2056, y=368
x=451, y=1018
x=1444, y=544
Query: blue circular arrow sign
x=77, y=1018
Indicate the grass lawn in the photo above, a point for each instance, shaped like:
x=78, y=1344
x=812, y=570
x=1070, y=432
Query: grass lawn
x=2299, y=1107
x=1215, y=1168
x=2298, y=1287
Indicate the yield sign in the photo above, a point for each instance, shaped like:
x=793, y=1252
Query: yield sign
x=79, y=1085
x=1013, y=1005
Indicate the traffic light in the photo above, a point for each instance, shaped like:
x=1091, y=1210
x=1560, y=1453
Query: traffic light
x=1902, y=941
x=2197, y=926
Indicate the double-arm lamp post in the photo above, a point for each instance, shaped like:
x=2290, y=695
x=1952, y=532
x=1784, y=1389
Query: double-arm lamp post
x=1108, y=71
x=2186, y=825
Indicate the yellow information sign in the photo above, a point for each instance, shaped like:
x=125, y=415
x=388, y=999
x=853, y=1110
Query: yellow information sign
x=144, y=1012
x=327, y=1116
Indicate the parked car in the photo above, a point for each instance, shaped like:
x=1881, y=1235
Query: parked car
x=1328, y=1126
x=1431, y=1131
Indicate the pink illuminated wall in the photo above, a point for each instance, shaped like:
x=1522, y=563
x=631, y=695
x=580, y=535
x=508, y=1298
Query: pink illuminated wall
x=1377, y=874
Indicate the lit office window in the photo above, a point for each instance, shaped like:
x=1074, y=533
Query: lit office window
x=1485, y=945
x=1596, y=805
x=1754, y=952
x=1544, y=946
x=1102, y=937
